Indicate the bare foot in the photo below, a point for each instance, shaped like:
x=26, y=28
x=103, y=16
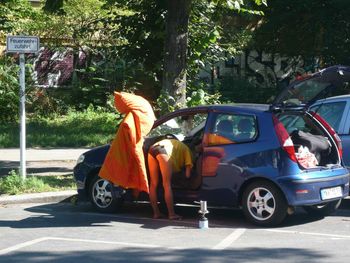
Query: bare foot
x=158, y=216
x=175, y=217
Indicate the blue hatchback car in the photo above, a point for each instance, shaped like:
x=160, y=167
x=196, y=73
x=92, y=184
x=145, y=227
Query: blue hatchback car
x=247, y=155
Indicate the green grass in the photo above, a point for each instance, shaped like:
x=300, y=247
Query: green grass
x=77, y=129
x=13, y=184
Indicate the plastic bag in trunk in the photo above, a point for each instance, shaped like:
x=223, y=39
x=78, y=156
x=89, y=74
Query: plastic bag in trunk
x=317, y=144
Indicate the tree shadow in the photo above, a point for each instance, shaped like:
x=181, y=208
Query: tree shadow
x=132, y=254
x=83, y=215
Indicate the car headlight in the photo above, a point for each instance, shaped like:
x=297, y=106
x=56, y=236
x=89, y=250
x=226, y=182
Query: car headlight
x=80, y=159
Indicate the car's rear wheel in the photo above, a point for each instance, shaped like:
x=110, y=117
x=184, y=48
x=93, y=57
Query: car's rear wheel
x=264, y=204
x=323, y=209
x=103, y=196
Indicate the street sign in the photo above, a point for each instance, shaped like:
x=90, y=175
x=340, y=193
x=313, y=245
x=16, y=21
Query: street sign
x=22, y=44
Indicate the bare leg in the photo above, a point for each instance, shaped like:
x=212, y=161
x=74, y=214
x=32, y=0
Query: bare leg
x=166, y=170
x=154, y=176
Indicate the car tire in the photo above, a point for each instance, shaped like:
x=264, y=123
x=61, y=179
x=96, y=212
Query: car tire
x=103, y=196
x=264, y=204
x=323, y=209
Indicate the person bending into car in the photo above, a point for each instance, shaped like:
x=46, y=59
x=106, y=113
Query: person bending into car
x=167, y=156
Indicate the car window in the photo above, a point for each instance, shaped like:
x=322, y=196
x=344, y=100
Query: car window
x=305, y=91
x=293, y=122
x=181, y=126
x=332, y=112
x=232, y=128
x=302, y=122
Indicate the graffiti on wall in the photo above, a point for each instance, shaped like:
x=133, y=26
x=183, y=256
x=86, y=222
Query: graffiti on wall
x=263, y=69
x=55, y=68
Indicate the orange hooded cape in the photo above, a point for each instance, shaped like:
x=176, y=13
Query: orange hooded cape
x=125, y=164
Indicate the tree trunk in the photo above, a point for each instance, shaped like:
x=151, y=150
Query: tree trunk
x=175, y=50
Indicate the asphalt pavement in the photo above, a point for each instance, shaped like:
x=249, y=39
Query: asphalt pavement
x=67, y=232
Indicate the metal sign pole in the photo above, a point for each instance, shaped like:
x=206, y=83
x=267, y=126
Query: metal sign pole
x=22, y=94
x=22, y=45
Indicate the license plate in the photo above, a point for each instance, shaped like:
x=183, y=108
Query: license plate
x=329, y=193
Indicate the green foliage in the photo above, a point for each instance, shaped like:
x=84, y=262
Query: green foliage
x=314, y=28
x=89, y=128
x=217, y=31
x=165, y=103
x=213, y=32
x=200, y=96
x=9, y=89
x=54, y=6
x=13, y=184
x=122, y=41
x=236, y=90
x=13, y=15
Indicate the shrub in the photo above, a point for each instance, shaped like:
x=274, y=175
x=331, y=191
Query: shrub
x=9, y=90
x=14, y=184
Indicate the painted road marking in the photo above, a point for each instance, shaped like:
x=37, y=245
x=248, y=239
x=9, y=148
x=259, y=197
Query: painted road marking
x=230, y=239
x=305, y=233
x=38, y=240
x=22, y=245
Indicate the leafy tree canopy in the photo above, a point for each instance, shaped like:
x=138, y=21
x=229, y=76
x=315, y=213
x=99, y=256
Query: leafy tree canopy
x=314, y=28
x=13, y=14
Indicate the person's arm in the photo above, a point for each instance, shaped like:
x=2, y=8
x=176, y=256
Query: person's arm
x=188, y=171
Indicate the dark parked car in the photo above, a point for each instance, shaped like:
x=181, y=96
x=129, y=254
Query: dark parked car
x=246, y=157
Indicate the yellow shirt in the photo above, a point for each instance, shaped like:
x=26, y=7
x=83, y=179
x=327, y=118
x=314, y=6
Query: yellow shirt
x=179, y=153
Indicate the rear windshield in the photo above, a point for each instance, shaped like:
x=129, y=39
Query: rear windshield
x=299, y=121
x=306, y=91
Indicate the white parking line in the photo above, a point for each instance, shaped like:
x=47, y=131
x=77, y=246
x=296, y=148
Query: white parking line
x=226, y=242
x=104, y=242
x=22, y=245
x=38, y=240
x=306, y=233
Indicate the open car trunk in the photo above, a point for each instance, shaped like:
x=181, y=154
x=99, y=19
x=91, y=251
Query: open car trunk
x=313, y=145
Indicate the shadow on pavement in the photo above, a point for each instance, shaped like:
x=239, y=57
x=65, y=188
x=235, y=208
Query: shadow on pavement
x=83, y=215
x=37, y=168
x=132, y=254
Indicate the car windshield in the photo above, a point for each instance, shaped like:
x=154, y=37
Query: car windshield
x=332, y=112
x=181, y=126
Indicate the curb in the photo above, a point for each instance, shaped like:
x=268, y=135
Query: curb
x=46, y=197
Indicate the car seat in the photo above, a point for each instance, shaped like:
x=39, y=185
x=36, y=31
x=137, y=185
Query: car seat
x=225, y=128
x=245, y=128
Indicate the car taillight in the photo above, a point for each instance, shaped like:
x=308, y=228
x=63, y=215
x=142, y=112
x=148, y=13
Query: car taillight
x=283, y=136
x=331, y=131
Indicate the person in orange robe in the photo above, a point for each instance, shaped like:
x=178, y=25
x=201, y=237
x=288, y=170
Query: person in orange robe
x=124, y=164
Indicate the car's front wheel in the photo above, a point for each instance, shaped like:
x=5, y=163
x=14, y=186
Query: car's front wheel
x=323, y=209
x=264, y=204
x=102, y=195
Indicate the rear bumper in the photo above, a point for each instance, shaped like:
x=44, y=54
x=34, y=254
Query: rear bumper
x=301, y=192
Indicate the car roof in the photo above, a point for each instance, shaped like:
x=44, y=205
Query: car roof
x=335, y=98
x=254, y=107
x=245, y=108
